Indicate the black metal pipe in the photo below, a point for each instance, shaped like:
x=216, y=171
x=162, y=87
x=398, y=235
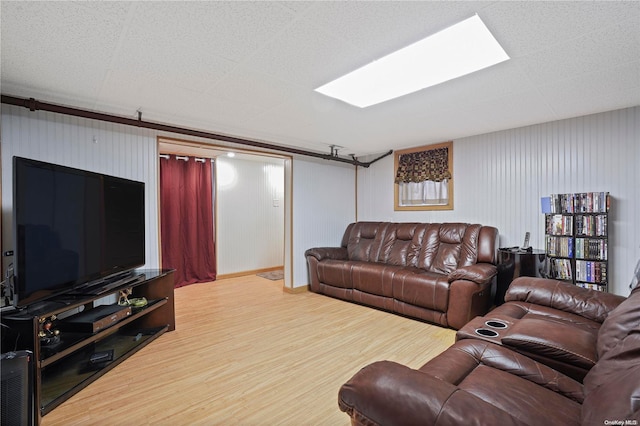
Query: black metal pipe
x=35, y=105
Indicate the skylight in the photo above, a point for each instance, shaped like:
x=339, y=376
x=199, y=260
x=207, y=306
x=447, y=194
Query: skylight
x=461, y=49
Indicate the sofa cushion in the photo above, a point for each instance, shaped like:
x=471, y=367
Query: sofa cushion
x=374, y=278
x=520, y=397
x=429, y=246
x=365, y=241
x=459, y=360
x=442, y=249
x=336, y=273
x=509, y=381
x=469, y=246
x=612, y=387
x=401, y=244
x=448, y=246
x=487, y=243
x=421, y=288
x=387, y=393
x=618, y=343
x=620, y=322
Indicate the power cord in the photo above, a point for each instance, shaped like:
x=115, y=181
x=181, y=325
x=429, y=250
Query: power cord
x=8, y=332
x=7, y=287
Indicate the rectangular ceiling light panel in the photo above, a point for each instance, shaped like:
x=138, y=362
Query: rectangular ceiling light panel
x=459, y=50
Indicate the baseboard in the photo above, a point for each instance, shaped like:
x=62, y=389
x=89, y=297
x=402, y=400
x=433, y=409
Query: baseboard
x=245, y=273
x=296, y=290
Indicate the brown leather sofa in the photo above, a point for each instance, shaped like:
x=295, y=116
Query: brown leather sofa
x=485, y=382
x=441, y=273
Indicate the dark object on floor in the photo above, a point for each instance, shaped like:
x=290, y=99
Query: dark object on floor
x=17, y=388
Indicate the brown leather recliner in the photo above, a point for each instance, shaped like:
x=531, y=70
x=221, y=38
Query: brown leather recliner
x=484, y=383
x=554, y=322
x=440, y=272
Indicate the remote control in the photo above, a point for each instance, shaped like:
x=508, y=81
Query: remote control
x=99, y=357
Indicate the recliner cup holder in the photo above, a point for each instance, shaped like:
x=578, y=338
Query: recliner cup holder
x=485, y=332
x=496, y=324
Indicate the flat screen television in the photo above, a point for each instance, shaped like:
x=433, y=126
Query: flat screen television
x=72, y=227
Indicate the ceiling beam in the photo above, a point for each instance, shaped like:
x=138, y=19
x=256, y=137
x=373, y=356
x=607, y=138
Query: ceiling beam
x=35, y=105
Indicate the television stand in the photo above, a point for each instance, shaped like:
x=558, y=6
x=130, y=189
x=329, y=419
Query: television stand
x=63, y=369
x=39, y=308
x=95, y=288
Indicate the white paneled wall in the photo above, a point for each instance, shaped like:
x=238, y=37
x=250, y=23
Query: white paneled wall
x=250, y=213
x=500, y=178
x=107, y=148
x=321, y=197
x=323, y=206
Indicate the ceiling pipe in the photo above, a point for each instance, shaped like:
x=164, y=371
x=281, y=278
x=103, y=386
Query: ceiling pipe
x=34, y=105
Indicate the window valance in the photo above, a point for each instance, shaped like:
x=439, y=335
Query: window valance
x=432, y=165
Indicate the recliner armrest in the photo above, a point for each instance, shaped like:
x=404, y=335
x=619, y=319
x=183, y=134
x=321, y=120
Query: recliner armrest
x=320, y=253
x=387, y=393
x=590, y=304
x=479, y=273
x=554, y=340
x=459, y=360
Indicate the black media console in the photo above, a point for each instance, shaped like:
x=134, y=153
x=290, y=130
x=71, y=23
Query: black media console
x=67, y=361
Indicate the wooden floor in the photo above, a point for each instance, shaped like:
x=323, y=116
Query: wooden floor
x=244, y=352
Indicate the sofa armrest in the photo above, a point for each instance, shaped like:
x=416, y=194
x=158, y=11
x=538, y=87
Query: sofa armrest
x=321, y=253
x=480, y=273
x=387, y=393
x=470, y=290
x=591, y=304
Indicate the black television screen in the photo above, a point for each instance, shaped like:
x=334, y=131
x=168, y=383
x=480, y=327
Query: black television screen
x=72, y=227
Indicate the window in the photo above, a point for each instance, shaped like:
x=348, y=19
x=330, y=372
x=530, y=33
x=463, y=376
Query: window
x=424, y=178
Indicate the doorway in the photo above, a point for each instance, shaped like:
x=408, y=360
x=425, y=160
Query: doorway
x=252, y=214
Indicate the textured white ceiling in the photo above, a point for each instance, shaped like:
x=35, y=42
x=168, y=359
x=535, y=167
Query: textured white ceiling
x=249, y=68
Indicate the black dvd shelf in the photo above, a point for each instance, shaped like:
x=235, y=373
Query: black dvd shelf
x=64, y=378
x=68, y=361
x=73, y=341
x=577, y=239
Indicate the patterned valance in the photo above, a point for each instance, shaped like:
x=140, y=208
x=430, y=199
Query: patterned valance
x=421, y=166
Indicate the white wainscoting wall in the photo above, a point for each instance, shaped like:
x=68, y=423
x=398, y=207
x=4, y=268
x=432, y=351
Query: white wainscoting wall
x=101, y=147
x=250, y=213
x=323, y=201
x=323, y=206
x=500, y=178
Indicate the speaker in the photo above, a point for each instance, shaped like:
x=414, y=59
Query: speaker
x=17, y=389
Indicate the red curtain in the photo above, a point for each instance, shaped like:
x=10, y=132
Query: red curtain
x=187, y=233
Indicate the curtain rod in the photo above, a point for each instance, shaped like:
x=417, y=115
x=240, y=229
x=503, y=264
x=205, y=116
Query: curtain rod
x=185, y=158
x=34, y=105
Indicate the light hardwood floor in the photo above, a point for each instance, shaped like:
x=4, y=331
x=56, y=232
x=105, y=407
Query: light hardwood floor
x=244, y=352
